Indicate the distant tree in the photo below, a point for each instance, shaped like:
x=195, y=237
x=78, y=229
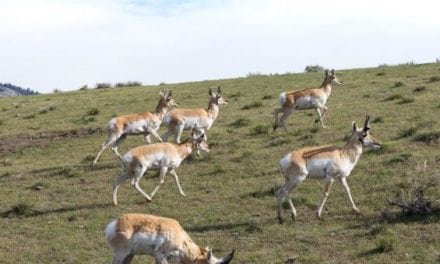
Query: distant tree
x=314, y=68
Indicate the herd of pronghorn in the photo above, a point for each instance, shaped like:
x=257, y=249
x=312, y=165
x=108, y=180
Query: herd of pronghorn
x=164, y=238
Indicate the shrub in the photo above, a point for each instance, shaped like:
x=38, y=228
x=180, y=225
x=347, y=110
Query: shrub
x=378, y=119
x=398, y=84
x=406, y=100
x=313, y=68
x=84, y=87
x=407, y=132
x=434, y=79
x=252, y=105
x=429, y=138
x=29, y=116
x=20, y=210
x=241, y=122
x=260, y=129
x=393, y=97
x=93, y=111
x=419, y=89
x=128, y=84
x=103, y=85
x=385, y=243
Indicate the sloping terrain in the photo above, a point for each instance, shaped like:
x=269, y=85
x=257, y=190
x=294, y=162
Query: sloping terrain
x=54, y=207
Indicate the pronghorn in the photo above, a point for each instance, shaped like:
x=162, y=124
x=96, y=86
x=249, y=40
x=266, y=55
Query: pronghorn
x=159, y=156
x=310, y=98
x=198, y=119
x=160, y=237
x=325, y=162
x=144, y=123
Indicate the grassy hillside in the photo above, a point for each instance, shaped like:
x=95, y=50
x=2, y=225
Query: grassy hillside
x=54, y=207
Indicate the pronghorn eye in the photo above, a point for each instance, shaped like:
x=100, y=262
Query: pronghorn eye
x=364, y=134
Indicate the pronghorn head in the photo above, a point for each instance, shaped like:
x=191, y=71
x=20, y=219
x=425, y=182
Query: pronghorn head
x=199, y=143
x=364, y=136
x=207, y=257
x=331, y=78
x=217, y=98
x=165, y=97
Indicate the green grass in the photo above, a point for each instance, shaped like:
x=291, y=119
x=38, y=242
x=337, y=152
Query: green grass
x=230, y=199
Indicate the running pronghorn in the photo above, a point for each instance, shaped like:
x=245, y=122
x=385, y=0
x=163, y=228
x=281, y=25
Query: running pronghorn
x=198, y=119
x=160, y=237
x=144, y=123
x=310, y=98
x=326, y=163
x=159, y=156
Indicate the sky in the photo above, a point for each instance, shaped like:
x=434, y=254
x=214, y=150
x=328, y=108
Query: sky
x=65, y=44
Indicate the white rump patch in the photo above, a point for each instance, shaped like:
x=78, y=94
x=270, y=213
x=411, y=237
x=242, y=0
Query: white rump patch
x=282, y=98
x=285, y=162
x=110, y=231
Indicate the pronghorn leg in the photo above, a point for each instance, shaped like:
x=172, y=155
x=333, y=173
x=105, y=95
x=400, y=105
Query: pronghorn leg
x=163, y=171
x=173, y=172
x=107, y=143
x=284, y=193
x=167, y=134
x=286, y=113
x=161, y=259
x=128, y=259
x=154, y=133
x=117, y=143
x=118, y=180
x=276, y=112
x=179, y=130
x=347, y=190
x=148, y=138
x=138, y=175
x=327, y=186
x=321, y=115
x=122, y=258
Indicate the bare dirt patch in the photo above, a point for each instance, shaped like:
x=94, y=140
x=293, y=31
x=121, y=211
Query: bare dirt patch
x=13, y=144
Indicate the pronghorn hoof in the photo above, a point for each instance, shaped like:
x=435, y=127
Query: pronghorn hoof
x=148, y=200
x=293, y=217
x=357, y=211
x=280, y=220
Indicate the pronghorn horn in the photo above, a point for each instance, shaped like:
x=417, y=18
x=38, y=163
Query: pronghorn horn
x=219, y=90
x=367, y=123
x=169, y=93
x=210, y=92
x=326, y=72
x=333, y=71
x=228, y=258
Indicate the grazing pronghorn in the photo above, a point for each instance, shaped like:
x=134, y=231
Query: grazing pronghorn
x=310, y=98
x=159, y=156
x=325, y=162
x=198, y=119
x=144, y=123
x=160, y=237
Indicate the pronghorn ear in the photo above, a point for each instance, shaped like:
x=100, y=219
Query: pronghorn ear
x=353, y=124
x=161, y=93
x=333, y=72
x=219, y=90
x=209, y=254
x=367, y=125
x=210, y=92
